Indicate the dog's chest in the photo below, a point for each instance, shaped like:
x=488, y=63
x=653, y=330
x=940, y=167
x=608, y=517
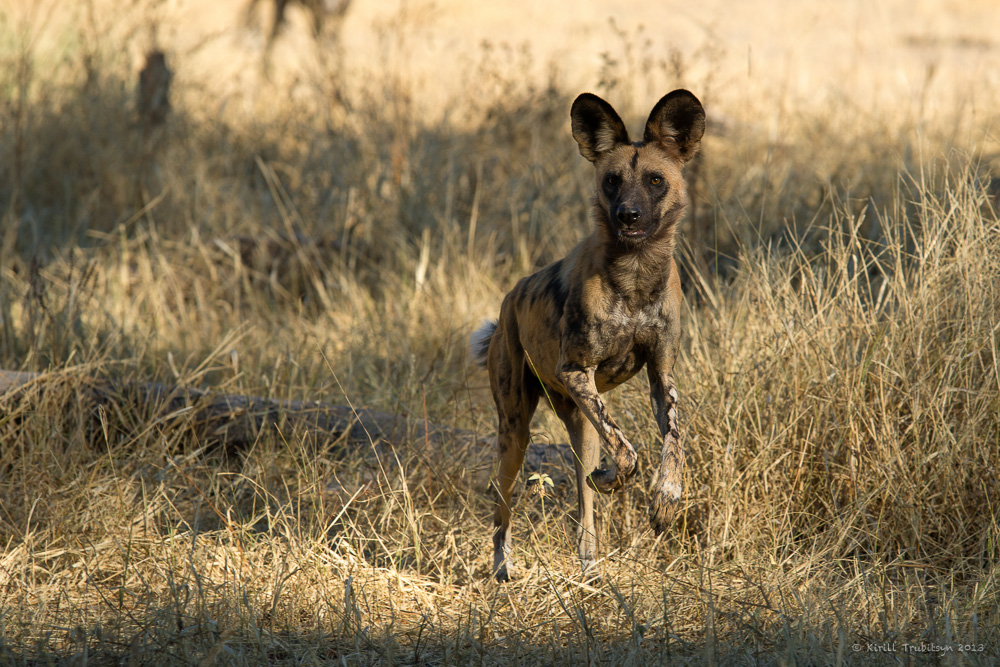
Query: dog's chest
x=625, y=342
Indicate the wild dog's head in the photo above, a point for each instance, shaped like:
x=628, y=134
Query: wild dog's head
x=640, y=190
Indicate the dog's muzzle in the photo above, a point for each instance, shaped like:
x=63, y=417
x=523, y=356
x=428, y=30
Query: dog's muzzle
x=630, y=222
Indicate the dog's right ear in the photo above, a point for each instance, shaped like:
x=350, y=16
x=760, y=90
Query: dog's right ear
x=596, y=126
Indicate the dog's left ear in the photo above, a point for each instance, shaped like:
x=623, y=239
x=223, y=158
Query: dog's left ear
x=677, y=123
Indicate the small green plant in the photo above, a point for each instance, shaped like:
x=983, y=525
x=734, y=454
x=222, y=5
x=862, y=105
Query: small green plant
x=540, y=480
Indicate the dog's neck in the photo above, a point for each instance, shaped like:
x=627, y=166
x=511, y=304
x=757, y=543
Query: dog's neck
x=638, y=272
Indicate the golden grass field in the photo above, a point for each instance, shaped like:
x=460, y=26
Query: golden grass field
x=839, y=374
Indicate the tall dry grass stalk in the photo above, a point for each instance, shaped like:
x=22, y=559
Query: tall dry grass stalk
x=840, y=377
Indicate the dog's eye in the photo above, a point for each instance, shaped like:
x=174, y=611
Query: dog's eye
x=611, y=180
x=655, y=180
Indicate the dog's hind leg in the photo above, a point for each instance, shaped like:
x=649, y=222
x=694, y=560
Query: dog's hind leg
x=586, y=456
x=516, y=393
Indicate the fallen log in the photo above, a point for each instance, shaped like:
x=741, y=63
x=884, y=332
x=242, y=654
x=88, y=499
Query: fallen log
x=235, y=421
x=229, y=419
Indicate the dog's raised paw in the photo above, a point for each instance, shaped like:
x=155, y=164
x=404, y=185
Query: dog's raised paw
x=605, y=480
x=629, y=471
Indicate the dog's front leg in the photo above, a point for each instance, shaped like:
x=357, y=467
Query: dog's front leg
x=669, y=479
x=580, y=384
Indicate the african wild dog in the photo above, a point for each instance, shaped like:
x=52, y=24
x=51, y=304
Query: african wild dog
x=321, y=11
x=588, y=322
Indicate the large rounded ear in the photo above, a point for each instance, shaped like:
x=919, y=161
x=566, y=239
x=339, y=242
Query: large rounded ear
x=596, y=126
x=677, y=122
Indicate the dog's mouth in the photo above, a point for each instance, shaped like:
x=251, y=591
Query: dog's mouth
x=633, y=235
x=632, y=232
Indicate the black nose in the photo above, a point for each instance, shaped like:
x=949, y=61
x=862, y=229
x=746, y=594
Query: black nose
x=627, y=214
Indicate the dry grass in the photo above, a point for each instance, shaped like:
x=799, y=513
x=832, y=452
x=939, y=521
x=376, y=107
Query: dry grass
x=840, y=375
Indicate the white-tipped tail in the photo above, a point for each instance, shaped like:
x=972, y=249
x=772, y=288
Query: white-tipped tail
x=479, y=344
